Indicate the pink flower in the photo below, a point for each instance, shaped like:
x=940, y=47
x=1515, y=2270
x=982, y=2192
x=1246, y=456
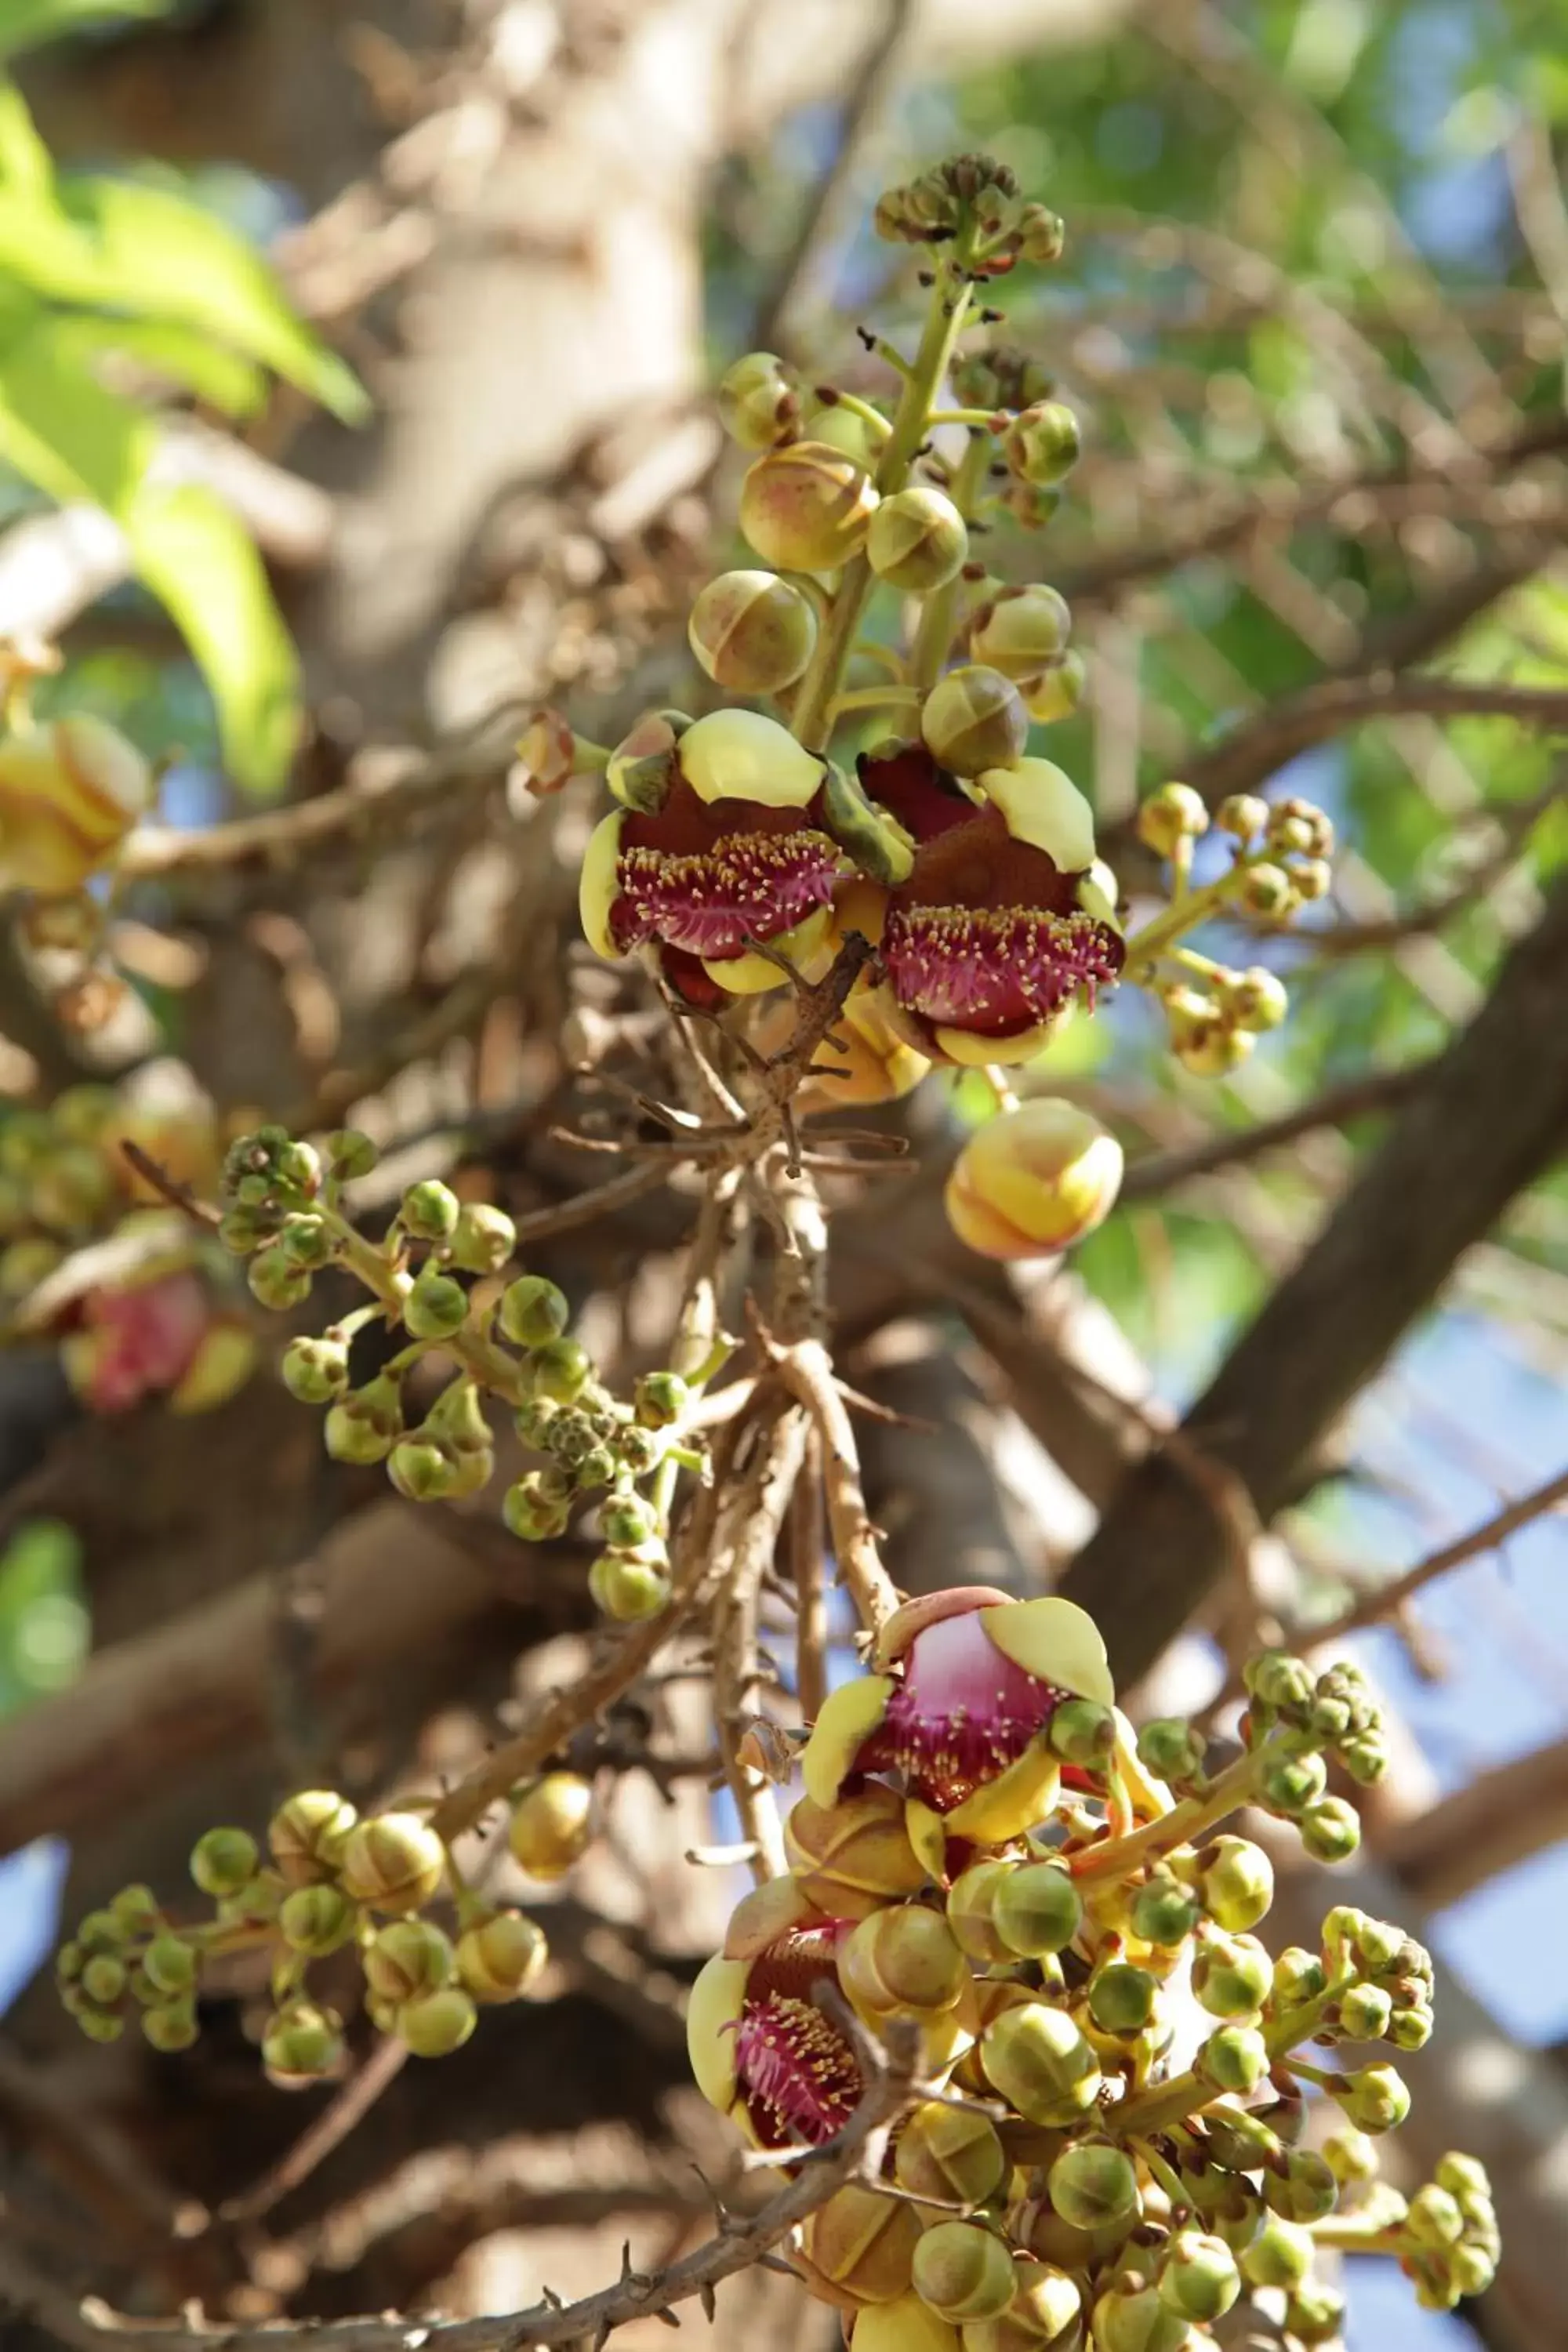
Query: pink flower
x=137, y=1341
x=764, y=2050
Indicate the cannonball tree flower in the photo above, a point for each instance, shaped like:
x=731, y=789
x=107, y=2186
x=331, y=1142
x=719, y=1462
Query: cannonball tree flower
x=1007, y=918
x=156, y=1334
x=1034, y=1180
x=968, y=1683
x=764, y=2050
x=69, y=792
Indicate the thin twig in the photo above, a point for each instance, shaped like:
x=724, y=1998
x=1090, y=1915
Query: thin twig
x=807, y=1564
x=807, y=1370
x=758, y=1507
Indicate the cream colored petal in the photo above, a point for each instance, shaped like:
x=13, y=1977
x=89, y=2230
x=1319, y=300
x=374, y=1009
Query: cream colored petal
x=744, y=755
x=1018, y=1798
x=906, y=2325
x=927, y=1836
x=764, y=1915
x=1056, y=1640
x=712, y=2015
x=1043, y=806
x=1151, y=1798
x=848, y=1717
x=598, y=884
x=750, y=975
x=912, y=1618
x=973, y=1052
x=1097, y=894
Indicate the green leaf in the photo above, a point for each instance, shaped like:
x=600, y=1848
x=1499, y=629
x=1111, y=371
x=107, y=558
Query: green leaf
x=43, y=1623
x=25, y=160
x=198, y=559
x=59, y=427
x=25, y=23
x=219, y=376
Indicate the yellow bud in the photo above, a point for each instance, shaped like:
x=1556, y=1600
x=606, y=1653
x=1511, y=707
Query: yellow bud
x=963, y=2271
x=70, y=793
x=806, y=508
x=1172, y=815
x=552, y=1824
x=858, y=2248
x=1056, y=691
x=951, y=2155
x=394, y=1861
x=753, y=632
x=309, y=1834
x=850, y=1857
x=917, y=540
x=437, y=2023
x=974, y=719
x=1021, y=629
x=903, y=1961
x=759, y=400
x=1033, y=1181
x=906, y=2325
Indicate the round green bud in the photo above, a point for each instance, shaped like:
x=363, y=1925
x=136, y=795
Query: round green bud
x=1121, y=1997
x=254, y=1903
x=597, y=1468
x=753, y=632
x=917, y=540
x=169, y=2026
x=640, y=1449
x=307, y=1835
x=429, y=1210
x=1306, y=2190
x=350, y=1153
x=1314, y=2313
x=421, y=1471
x=1243, y=816
x=1198, y=2278
x=314, y=1371
x=971, y=1912
x=1036, y=2056
x=553, y=1824
x=1236, y=1879
x=561, y=1370
x=949, y=2155
x=1171, y=1750
x=806, y=508
x=70, y=1962
x=532, y=1515
x=962, y=2271
x=306, y=1242
x=759, y=400
x=482, y=1239
x=627, y=1519
x=316, y=1920
x=1041, y=445
x=99, y=2025
x=438, y=2022
x=171, y=1964
x=1268, y=892
x=301, y=2043
x=846, y=429
x=1364, y=2012
x=1037, y=1908
x=1134, y=2319
x=103, y=1979
x=1082, y=1731
x=1331, y=1829
x=1170, y=816
x=974, y=719
x=242, y=1230
x=1280, y=2255
x=1042, y=236
x=660, y=1398
x=1350, y=2156
x=1164, y=1912
x=1092, y=2184
x=1233, y=2058
x=1434, y=2217
x=394, y=1861
x=1278, y=1680
x=101, y=1931
x=1289, y=1784
x=407, y=1958
x=1410, y=2029
x=1254, y=999
x=1232, y=1974
x=136, y=1907
x=436, y=1306
x=1020, y=630
x=500, y=1957
x=1374, y=2098
x=628, y=1586
x=1462, y=2176
x=903, y=1961
x=1299, y=1976
x=1472, y=2269
x=1365, y=1759
x=275, y=1280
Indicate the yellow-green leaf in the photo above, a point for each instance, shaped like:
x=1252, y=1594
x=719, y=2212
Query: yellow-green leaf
x=225, y=378
x=59, y=427
x=25, y=23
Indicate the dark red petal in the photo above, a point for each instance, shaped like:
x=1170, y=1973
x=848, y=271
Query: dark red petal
x=709, y=903
x=994, y=971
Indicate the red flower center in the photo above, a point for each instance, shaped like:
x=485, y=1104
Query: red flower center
x=705, y=878
x=799, y=2077
x=961, y=1714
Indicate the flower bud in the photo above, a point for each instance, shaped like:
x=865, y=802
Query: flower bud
x=1036, y=1909
x=1305, y=2190
x=1471, y=2270
x=1092, y=2184
x=759, y=400
x=350, y=1153
x=1268, y=892
x=1254, y=999
x=1433, y=2218
x=1350, y=2156
x=744, y=755
x=315, y=1370
x=1033, y=1181
x=753, y=632
x=222, y=1860
x=307, y=1834
x=846, y=427
x=963, y=2271
x=421, y=1471
x=553, y=1824
x=1042, y=235
x=1134, y=2319
x=1232, y=1974
x=917, y=540
x=429, y=1210
x=1236, y=1879
x=533, y=1311
x=806, y=508
x=1056, y=691
x=971, y=1912
x=436, y=1306
x=858, y=2247
x=1243, y=816
x=99, y=2025
x=301, y=2043
x=103, y=1977
x=660, y=1398
x=256, y=1903
x=1163, y=1913
x=70, y=793
x=438, y=2022
x=276, y=1281
x=852, y=1857
x=1289, y=1784
x=1462, y=2176
x=974, y=719
x=1043, y=2315
x=949, y=2153
x=1233, y=2058
x=363, y=1425
x=1037, y=2058
x=1410, y=2029
x=316, y=1920
x=1374, y=2099
x=169, y=2027
x=1121, y=1997
x=406, y=1960
x=499, y=1958
x=1021, y=630
x=394, y=1861
x=1198, y=2278
x=531, y=1513
x=1041, y=445
x=1314, y=2313
x=561, y=1370
x=1082, y=1732
x=1280, y=2255
x=1364, y=2011
x=1330, y=1831
x=629, y=1584
x=903, y=1961
x=1170, y=816
x=482, y=1239
x=1171, y=1748
x=1365, y=1760
x=907, y=2325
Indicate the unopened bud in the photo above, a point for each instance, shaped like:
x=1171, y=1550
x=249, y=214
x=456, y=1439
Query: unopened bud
x=1243, y=816
x=1021, y=630
x=1280, y=2255
x=1165, y=1913
x=1171, y=1748
x=553, y=1824
x=1123, y=1997
x=532, y=1513
x=1314, y=2313
x=1232, y=1974
x=561, y=1370
x=438, y=2022
x=307, y=1834
x=949, y=2153
x=851, y=1857
x=974, y=719
x=903, y=1961
x=1041, y=445
x=1374, y=2099
x=753, y=632
x=1082, y=1731
x=1037, y=1908
x=169, y=2027
x=963, y=2271
x=806, y=508
x=315, y=1370
x=1092, y=2184
x=436, y=1306
x=1036, y=2056
x=1268, y=892
x=1173, y=814
x=1198, y=2278
x=1330, y=1831
x=1033, y=1181
x=858, y=2247
x=630, y=1584
x=502, y=1957
x=1233, y=2058
x=276, y=1281
x=1304, y=2189
x=406, y=1960
x=394, y=1861
x=301, y=2043
x=917, y=540
x=316, y=1920
x=660, y=1398
x=1254, y=999
x=350, y=1153
x=429, y=1210
x=1236, y=1881
x=759, y=400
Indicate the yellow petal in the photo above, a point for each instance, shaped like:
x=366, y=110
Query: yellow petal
x=219, y=1368
x=973, y=1052
x=1043, y=806
x=848, y=1717
x=906, y=2325
x=927, y=1836
x=1018, y=1798
x=712, y=2015
x=1151, y=1798
x=764, y=1915
x=1057, y=1642
x=599, y=884
x=744, y=755
x=1097, y=894
x=750, y=974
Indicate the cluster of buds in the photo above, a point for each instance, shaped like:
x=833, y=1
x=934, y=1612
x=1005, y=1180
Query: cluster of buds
x=444, y=1274
x=1107, y=2147
x=146, y=1317
x=1280, y=853
x=331, y=1882
x=975, y=194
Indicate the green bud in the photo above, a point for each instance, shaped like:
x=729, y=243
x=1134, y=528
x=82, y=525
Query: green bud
x=136, y=1907
x=1081, y=1732
x=1374, y=2099
x=629, y=1585
x=406, y=1960
x=1289, y=1784
x=1036, y=1909
x=962, y=2272
x=457, y=1420
x=530, y=1514
x=1306, y=2190
x=971, y=1912
x=171, y=1964
x=305, y=1241
x=393, y=1861
x=534, y=1312
x=627, y=1521
x=1134, y=2319
x=1462, y=2176
x=500, y=1957
x=254, y=1904
x=1280, y=2255
x=949, y=2155
x=1350, y=2156
x=1379, y=1945
x=1041, y=445
x=1472, y=2269
x=661, y=1397
x=1236, y=1879
x=1314, y=2313
x=1330, y=1831
x=1121, y=1997
x=435, y=1307
x=316, y=1920
x=242, y=1230
x=1165, y=1913
x=640, y=1449
x=1434, y=2217
x=99, y=2025
x=1036, y=2056
x=275, y=1280
x=1278, y=1680
x=350, y=1153
x=301, y=2043
x=169, y=2027
x=482, y=1239
x=420, y=1471
x=1410, y=2029
x=1198, y=2278
x=562, y=1370
x=70, y=1962
x=101, y=1931
x=1365, y=1759
x=1299, y=1976
x=437, y=2023
x=103, y=1979
x=307, y=1835
x=597, y=1468
x=1171, y=1750
x=366, y=1424
x=1243, y=816
x=1364, y=2011
x=1232, y=1974
x=1092, y=2184
x=429, y=1210
x=1233, y=2058
x=315, y=1372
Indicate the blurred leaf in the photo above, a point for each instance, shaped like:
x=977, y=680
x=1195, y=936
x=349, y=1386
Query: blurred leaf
x=25, y=160
x=43, y=1621
x=25, y=23
x=60, y=428
x=198, y=559
x=221, y=377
